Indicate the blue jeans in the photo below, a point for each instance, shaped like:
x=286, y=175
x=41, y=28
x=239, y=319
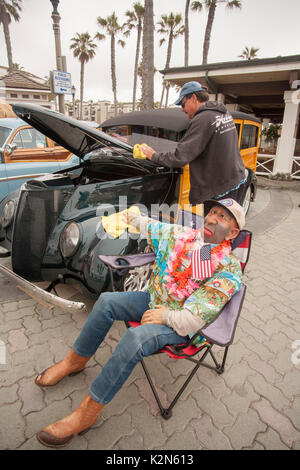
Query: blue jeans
x=134, y=345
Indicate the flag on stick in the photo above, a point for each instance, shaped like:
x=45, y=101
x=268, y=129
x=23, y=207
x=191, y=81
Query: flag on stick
x=201, y=263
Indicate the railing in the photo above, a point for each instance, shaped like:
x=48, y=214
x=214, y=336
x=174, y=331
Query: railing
x=296, y=168
x=265, y=164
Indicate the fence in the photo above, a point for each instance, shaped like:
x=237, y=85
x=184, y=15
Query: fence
x=265, y=164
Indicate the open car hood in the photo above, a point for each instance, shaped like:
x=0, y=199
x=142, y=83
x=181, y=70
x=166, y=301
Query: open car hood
x=75, y=136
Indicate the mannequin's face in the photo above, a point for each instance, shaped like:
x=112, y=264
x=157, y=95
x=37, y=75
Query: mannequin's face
x=219, y=225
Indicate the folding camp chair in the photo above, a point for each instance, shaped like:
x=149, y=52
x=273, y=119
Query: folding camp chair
x=219, y=332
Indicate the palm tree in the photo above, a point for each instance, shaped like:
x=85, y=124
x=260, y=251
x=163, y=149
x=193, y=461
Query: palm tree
x=9, y=9
x=148, y=57
x=135, y=20
x=111, y=26
x=17, y=66
x=249, y=53
x=170, y=26
x=186, y=33
x=212, y=5
x=84, y=50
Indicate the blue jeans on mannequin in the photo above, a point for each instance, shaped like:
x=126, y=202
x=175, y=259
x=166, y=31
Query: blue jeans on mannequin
x=135, y=344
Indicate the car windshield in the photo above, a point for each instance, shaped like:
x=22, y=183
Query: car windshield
x=160, y=139
x=4, y=133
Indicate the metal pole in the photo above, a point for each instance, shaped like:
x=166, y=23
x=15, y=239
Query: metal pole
x=56, y=19
x=73, y=95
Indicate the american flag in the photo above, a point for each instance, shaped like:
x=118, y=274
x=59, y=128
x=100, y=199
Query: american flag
x=201, y=263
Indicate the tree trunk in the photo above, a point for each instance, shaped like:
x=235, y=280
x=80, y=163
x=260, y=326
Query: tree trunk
x=8, y=42
x=136, y=65
x=186, y=33
x=167, y=95
x=169, y=51
x=148, y=57
x=113, y=70
x=81, y=86
x=167, y=66
x=162, y=95
x=210, y=20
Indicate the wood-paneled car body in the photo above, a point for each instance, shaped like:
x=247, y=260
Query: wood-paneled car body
x=26, y=153
x=163, y=128
x=58, y=230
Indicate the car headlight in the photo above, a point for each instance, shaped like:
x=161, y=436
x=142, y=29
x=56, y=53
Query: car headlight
x=70, y=239
x=8, y=214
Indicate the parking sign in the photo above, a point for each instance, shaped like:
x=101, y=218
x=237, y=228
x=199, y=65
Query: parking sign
x=61, y=82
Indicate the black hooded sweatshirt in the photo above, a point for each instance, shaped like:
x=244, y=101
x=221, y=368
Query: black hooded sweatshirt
x=210, y=146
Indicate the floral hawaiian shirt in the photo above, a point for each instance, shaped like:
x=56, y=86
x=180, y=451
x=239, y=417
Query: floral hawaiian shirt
x=210, y=295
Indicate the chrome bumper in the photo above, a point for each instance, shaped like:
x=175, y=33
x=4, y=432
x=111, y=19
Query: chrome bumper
x=41, y=295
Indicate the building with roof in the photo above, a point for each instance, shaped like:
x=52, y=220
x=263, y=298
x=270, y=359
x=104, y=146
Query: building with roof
x=97, y=111
x=21, y=86
x=266, y=88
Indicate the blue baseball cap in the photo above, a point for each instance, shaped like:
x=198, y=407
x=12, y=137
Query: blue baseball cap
x=189, y=87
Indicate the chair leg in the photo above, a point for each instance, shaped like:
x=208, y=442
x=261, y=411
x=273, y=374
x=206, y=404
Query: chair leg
x=162, y=409
x=219, y=367
x=222, y=368
x=167, y=412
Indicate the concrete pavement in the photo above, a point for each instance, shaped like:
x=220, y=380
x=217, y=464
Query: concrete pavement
x=255, y=404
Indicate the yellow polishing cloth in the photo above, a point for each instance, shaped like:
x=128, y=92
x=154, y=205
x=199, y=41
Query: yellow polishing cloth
x=137, y=153
x=115, y=225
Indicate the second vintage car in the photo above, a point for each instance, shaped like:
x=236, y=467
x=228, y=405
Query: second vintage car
x=58, y=228
x=26, y=153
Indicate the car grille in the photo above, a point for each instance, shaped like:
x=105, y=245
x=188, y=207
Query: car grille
x=36, y=216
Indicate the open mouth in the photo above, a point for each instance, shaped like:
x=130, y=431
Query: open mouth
x=207, y=232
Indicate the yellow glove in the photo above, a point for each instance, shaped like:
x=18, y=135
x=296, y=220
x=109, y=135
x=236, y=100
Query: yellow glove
x=137, y=153
x=116, y=224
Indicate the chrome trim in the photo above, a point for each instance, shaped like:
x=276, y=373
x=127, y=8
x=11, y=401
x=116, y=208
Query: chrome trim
x=41, y=295
x=19, y=177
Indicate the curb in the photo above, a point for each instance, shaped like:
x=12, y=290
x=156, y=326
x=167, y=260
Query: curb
x=265, y=182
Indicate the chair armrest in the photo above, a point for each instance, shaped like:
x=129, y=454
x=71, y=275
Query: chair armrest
x=221, y=330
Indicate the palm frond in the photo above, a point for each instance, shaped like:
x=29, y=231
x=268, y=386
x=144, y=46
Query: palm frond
x=196, y=6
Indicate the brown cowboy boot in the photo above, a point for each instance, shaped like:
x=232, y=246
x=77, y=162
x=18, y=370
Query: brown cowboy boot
x=62, y=432
x=70, y=365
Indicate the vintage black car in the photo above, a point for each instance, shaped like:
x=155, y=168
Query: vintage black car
x=57, y=231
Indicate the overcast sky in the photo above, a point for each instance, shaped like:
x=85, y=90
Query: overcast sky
x=270, y=25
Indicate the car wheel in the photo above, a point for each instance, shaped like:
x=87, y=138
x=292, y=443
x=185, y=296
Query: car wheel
x=247, y=200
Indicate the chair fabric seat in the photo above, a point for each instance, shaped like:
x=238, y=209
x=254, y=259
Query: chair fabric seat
x=184, y=353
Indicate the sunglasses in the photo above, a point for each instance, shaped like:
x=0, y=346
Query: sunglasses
x=183, y=103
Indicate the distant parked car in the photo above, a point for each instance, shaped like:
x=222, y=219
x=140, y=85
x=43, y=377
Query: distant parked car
x=26, y=153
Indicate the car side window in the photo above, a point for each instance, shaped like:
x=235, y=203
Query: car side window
x=29, y=138
x=238, y=128
x=249, y=136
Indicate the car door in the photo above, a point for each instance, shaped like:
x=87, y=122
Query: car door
x=31, y=155
x=61, y=155
x=4, y=138
x=4, y=188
